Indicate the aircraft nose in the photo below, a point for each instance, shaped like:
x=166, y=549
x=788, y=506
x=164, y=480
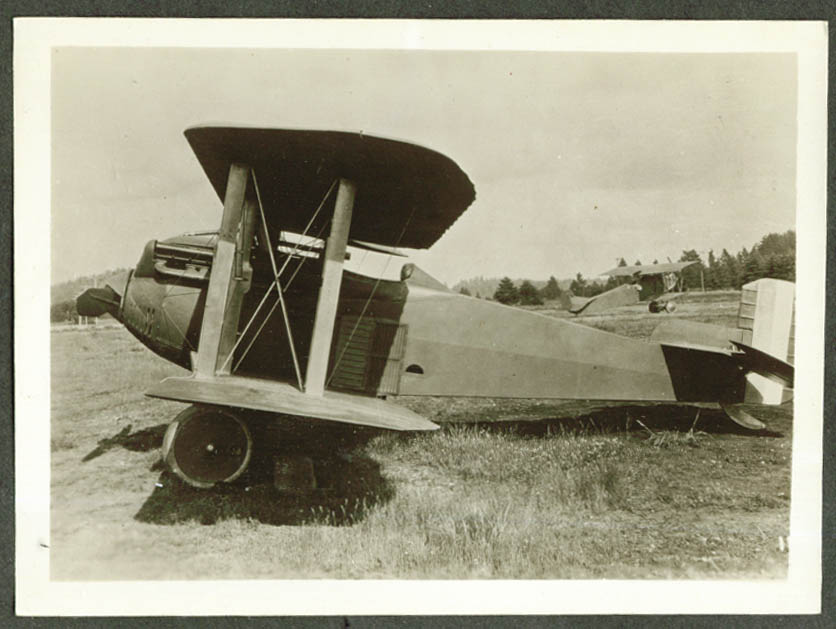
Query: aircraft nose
x=94, y=302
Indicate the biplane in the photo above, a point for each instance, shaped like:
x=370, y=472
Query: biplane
x=268, y=320
x=648, y=282
x=654, y=281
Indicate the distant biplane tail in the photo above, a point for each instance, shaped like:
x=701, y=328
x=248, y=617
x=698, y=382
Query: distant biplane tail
x=623, y=295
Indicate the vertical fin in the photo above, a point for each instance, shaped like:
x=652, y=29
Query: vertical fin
x=766, y=315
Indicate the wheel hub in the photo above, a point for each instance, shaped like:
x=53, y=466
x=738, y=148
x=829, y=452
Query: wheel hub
x=205, y=445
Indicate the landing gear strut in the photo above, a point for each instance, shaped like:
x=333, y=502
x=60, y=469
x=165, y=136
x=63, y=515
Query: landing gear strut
x=205, y=445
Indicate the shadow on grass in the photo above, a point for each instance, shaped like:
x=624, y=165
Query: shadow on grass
x=348, y=482
x=139, y=441
x=647, y=418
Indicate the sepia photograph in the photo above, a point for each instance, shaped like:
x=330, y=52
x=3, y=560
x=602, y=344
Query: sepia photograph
x=349, y=311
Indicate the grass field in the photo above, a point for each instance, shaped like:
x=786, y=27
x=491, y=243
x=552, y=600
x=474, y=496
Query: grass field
x=506, y=489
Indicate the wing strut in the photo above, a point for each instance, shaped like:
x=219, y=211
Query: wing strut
x=275, y=284
x=228, y=282
x=332, y=272
x=219, y=321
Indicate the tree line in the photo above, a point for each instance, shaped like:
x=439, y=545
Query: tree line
x=773, y=256
x=63, y=311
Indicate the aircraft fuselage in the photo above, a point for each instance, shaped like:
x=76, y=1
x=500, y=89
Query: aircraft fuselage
x=412, y=337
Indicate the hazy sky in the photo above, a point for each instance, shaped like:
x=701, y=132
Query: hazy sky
x=577, y=158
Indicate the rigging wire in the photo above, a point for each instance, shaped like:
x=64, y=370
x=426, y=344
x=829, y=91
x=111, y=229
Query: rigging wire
x=303, y=258
x=308, y=226
x=272, y=285
x=275, y=305
x=276, y=283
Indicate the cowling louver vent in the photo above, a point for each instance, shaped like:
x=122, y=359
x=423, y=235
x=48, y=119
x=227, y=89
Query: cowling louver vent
x=367, y=355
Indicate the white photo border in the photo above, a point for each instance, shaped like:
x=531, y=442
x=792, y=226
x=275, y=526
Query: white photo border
x=34, y=39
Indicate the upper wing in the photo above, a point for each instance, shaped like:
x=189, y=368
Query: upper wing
x=647, y=269
x=407, y=195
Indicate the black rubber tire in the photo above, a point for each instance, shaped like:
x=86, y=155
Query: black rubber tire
x=205, y=445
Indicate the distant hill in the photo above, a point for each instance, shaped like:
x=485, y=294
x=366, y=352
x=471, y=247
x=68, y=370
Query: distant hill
x=486, y=286
x=69, y=290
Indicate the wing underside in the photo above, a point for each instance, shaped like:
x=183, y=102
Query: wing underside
x=280, y=397
x=409, y=195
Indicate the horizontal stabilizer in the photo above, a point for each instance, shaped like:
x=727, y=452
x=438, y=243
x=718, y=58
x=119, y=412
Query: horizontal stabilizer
x=705, y=372
x=766, y=365
x=94, y=302
x=281, y=397
x=683, y=331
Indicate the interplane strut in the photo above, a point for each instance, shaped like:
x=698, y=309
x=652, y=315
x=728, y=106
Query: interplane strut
x=231, y=275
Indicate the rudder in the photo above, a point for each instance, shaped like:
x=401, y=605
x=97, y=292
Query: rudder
x=766, y=317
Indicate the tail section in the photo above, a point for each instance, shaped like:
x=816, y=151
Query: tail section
x=762, y=346
x=766, y=320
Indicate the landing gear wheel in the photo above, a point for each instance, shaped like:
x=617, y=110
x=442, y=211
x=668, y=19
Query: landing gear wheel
x=207, y=445
x=659, y=305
